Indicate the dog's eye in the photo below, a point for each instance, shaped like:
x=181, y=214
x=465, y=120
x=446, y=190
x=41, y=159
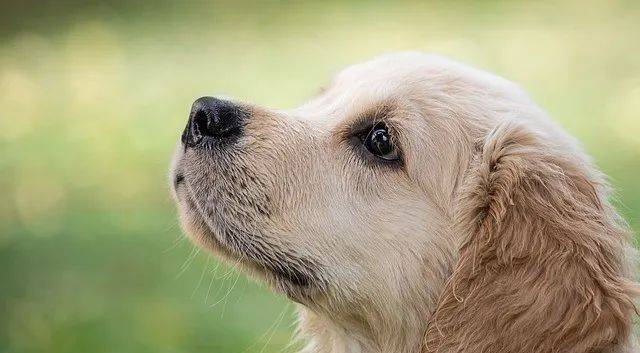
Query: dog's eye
x=378, y=142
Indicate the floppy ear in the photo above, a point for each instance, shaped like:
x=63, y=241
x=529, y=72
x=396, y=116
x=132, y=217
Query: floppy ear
x=546, y=263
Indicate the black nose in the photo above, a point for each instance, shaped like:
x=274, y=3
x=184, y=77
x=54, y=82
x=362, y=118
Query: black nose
x=212, y=119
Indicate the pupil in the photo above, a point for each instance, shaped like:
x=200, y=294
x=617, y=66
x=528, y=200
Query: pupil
x=381, y=141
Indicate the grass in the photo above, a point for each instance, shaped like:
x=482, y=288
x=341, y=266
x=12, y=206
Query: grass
x=94, y=97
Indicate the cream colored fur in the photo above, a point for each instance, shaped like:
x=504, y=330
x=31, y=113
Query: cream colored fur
x=495, y=234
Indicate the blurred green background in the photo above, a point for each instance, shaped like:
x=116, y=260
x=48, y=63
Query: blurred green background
x=93, y=97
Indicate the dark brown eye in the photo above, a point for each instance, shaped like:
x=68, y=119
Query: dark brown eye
x=379, y=143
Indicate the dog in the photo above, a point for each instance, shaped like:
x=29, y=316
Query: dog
x=414, y=205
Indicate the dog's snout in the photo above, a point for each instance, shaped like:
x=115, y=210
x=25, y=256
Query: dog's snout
x=212, y=118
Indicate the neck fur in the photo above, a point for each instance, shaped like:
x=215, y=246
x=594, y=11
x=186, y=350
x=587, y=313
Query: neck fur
x=394, y=334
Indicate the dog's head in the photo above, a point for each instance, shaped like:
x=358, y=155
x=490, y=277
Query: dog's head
x=399, y=181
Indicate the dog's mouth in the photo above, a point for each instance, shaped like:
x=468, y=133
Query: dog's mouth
x=287, y=271
x=227, y=206
x=178, y=180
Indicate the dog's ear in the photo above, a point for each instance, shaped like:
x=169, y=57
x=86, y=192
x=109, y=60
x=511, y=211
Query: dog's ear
x=545, y=261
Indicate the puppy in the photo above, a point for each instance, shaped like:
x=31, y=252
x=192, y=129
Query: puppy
x=414, y=205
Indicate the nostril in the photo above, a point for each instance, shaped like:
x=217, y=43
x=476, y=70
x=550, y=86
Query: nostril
x=201, y=123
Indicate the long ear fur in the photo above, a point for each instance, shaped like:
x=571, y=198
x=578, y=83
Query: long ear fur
x=546, y=262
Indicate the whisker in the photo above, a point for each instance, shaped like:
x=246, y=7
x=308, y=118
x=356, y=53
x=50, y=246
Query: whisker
x=188, y=261
x=179, y=239
x=275, y=329
x=213, y=277
x=204, y=269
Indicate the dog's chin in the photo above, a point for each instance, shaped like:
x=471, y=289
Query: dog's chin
x=296, y=285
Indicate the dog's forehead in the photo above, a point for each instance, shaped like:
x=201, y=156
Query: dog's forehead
x=391, y=68
x=385, y=79
x=400, y=78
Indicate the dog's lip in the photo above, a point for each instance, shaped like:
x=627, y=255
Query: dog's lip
x=178, y=179
x=176, y=183
x=277, y=272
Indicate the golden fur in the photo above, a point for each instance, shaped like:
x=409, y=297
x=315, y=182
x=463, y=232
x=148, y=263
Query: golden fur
x=494, y=234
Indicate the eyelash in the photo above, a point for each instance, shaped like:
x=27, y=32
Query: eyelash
x=364, y=126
